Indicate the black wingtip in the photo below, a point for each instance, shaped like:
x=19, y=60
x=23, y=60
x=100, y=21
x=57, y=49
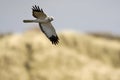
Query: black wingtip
x=54, y=39
x=37, y=9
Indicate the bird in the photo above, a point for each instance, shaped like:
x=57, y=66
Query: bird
x=45, y=24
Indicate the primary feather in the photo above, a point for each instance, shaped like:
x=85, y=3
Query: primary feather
x=38, y=13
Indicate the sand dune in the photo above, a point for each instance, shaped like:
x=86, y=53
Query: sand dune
x=31, y=56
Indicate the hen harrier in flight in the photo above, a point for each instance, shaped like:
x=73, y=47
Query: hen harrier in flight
x=44, y=23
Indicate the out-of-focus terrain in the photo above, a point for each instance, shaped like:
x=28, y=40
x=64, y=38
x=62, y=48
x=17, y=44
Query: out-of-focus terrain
x=31, y=56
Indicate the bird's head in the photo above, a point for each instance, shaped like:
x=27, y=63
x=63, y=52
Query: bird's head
x=50, y=18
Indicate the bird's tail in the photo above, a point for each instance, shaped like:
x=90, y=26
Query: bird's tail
x=28, y=21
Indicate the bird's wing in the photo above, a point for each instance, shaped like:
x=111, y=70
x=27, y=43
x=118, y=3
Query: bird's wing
x=38, y=13
x=50, y=32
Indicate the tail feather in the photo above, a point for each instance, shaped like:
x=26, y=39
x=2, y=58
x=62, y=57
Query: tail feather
x=28, y=21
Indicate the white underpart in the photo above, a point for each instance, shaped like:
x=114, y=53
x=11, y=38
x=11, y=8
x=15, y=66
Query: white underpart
x=48, y=29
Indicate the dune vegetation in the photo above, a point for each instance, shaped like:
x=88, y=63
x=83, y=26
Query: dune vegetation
x=31, y=56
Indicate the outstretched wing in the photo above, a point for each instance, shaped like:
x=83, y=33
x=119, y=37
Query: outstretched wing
x=38, y=13
x=50, y=32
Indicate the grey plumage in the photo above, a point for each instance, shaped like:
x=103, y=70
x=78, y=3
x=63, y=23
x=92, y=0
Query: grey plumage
x=44, y=23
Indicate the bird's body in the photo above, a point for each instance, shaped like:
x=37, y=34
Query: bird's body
x=44, y=23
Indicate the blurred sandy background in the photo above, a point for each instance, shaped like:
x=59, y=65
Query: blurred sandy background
x=30, y=56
